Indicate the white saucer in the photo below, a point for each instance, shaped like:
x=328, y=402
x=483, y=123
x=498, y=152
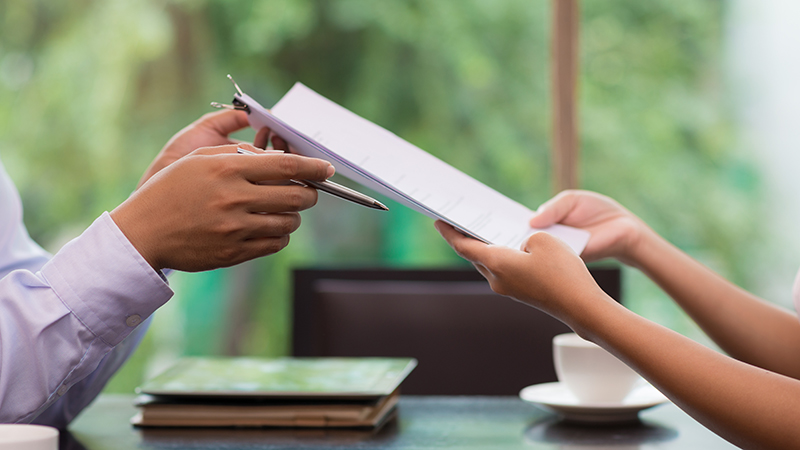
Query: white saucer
x=556, y=398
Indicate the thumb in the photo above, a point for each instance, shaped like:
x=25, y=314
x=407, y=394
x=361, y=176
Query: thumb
x=225, y=122
x=554, y=210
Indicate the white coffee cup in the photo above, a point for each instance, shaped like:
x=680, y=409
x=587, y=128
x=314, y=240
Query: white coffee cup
x=28, y=437
x=590, y=372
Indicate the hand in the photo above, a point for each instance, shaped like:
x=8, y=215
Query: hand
x=545, y=274
x=616, y=232
x=209, y=210
x=263, y=138
x=211, y=130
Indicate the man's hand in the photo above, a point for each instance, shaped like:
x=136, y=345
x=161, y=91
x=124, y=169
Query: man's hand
x=209, y=210
x=211, y=130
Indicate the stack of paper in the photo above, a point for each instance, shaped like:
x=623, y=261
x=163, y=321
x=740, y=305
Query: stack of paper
x=378, y=159
x=281, y=392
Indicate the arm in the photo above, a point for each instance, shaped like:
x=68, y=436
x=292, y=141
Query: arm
x=751, y=407
x=50, y=336
x=19, y=252
x=58, y=323
x=66, y=328
x=742, y=324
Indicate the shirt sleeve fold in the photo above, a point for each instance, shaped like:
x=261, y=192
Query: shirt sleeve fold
x=58, y=324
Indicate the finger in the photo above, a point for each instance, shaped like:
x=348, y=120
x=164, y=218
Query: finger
x=530, y=243
x=483, y=270
x=253, y=148
x=278, y=199
x=261, y=225
x=230, y=148
x=544, y=240
x=466, y=247
x=268, y=245
x=278, y=143
x=262, y=138
x=255, y=248
x=284, y=166
x=554, y=210
x=224, y=122
x=220, y=149
x=271, y=166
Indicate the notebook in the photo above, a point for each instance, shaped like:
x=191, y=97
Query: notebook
x=206, y=412
x=273, y=392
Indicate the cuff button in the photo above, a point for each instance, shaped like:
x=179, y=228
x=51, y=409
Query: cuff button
x=133, y=320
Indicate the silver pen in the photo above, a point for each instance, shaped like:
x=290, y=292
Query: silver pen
x=334, y=189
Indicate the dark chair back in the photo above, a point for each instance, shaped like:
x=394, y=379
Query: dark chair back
x=467, y=339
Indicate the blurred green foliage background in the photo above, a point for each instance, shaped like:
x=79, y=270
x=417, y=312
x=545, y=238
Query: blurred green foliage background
x=91, y=89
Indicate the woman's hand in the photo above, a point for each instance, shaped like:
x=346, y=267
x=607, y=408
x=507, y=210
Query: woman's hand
x=211, y=130
x=545, y=273
x=616, y=232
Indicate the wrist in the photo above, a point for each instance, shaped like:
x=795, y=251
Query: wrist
x=135, y=235
x=600, y=311
x=644, y=248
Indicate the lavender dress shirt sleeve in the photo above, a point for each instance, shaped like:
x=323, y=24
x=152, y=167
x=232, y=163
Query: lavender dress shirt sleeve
x=69, y=321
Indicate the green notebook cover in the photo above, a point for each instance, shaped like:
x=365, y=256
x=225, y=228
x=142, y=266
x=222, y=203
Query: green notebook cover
x=281, y=377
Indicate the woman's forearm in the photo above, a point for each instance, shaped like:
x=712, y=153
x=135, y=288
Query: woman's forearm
x=749, y=406
x=742, y=324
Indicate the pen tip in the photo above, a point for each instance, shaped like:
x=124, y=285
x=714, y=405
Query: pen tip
x=381, y=206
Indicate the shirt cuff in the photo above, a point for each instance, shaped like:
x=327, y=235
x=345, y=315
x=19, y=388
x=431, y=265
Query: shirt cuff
x=105, y=282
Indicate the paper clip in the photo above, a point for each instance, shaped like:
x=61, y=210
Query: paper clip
x=236, y=103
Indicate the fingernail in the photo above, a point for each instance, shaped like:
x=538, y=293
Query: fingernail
x=331, y=170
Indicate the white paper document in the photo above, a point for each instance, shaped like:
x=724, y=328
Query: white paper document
x=378, y=159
